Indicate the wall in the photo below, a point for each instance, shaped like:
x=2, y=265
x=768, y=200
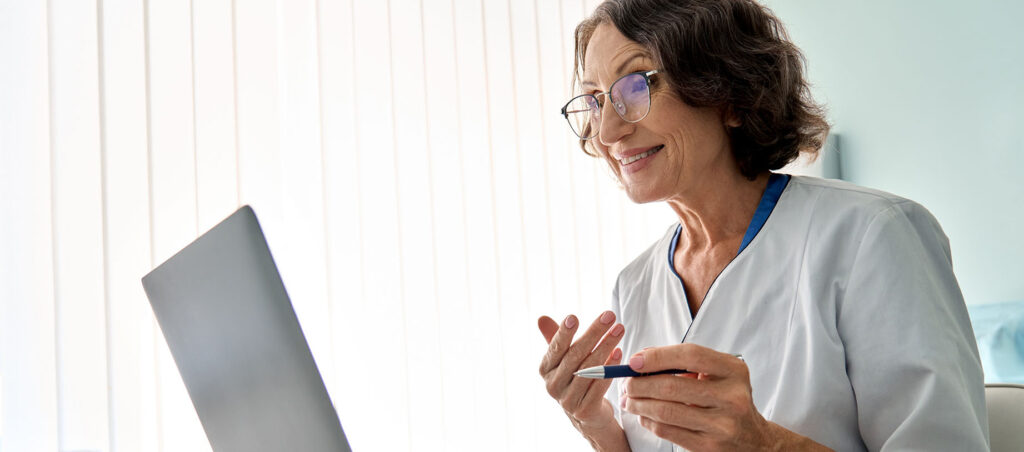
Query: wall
x=927, y=97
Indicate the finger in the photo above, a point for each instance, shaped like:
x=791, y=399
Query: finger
x=584, y=346
x=577, y=388
x=602, y=353
x=684, y=388
x=670, y=413
x=691, y=357
x=598, y=388
x=548, y=327
x=615, y=358
x=689, y=439
x=559, y=345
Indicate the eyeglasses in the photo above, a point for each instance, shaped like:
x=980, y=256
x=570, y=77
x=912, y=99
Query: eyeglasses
x=631, y=98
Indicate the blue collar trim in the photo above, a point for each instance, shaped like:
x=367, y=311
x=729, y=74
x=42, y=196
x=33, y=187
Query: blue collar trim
x=776, y=184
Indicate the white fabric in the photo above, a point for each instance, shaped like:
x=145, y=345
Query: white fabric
x=847, y=312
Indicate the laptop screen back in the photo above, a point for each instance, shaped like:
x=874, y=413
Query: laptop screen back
x=237, y=343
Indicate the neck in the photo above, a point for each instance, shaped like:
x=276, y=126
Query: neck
x=719, y=210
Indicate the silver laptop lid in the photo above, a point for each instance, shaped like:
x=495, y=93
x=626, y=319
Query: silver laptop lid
x=237, y=343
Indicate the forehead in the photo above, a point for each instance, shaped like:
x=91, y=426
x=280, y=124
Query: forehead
x=607, y=50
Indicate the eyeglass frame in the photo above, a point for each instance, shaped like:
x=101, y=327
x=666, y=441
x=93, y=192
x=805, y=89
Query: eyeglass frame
x=608, y=94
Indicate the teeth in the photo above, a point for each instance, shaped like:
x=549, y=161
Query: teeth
x=628, y=160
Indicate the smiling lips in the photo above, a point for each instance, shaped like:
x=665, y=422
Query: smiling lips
x=637, y=157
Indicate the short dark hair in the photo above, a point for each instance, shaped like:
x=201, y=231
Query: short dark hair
x=733, y=55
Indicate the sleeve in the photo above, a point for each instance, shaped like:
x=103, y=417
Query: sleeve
x=910, y=350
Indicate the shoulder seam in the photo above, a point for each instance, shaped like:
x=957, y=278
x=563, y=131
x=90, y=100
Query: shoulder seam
x=892, y=199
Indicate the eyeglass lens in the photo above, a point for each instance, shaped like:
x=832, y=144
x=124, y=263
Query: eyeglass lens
x=630, y=96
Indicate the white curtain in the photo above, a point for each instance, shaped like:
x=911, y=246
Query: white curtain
x=422, y=196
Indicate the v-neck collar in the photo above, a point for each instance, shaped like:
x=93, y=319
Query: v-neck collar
x=772, y=192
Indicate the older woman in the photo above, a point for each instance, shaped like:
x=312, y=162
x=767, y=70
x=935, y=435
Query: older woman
x=840, y=299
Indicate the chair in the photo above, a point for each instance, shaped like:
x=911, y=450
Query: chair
x=1005, y=416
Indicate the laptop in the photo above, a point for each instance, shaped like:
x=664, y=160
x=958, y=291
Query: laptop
x=237, y=343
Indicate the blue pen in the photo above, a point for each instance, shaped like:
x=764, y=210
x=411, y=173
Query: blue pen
x=621, y=371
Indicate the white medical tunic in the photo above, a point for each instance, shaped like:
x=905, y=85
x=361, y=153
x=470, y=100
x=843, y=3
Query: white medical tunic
x=846, y=310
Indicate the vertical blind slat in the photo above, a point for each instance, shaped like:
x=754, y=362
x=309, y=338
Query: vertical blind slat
x=506, y=149
x=379, y=215
x=450, y=266
x=524, y=32
x=27, y=328
x=341, y=190
x=259, y=127
x=123, y=86
x=412, y=165
x=489, y=423
x=213, y=87
x=302, y=263
x=78, y=227
x=341, y=139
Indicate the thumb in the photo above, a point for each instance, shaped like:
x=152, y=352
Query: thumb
x=548, y=327
x=691, y=357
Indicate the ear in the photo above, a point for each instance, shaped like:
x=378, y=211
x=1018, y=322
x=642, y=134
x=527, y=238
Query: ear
x=730, y=119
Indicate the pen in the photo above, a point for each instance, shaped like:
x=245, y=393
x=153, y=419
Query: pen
x=623, y=370
x=620, y=371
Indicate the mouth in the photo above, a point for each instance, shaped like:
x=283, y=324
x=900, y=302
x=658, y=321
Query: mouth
x=635, y=158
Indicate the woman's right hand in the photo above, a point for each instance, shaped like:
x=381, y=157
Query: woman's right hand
x=581, y=398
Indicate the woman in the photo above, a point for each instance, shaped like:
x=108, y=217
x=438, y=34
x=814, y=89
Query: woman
x=840, y=299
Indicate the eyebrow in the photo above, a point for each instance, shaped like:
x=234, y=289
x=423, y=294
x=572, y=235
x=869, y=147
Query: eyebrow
x=621, y=68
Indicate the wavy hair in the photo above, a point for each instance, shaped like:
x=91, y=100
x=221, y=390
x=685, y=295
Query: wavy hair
x=733, y=55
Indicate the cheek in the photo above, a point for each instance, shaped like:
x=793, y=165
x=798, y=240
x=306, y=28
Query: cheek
x=681, y=138
x=686, y=128
x=691, y=149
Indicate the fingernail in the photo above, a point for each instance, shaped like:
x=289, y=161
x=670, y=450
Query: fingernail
x=617, y=331
x=622, y=402
x=616, y=355
x=607, y=317
x=636, y=362
x=570, y=321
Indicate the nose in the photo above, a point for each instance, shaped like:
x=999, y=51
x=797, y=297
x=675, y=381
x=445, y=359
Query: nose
x=612, y=127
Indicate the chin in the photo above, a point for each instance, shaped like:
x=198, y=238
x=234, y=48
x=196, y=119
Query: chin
x=644, y=187
x=641, y=195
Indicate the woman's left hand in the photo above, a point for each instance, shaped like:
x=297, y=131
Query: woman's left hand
x=707, y=410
